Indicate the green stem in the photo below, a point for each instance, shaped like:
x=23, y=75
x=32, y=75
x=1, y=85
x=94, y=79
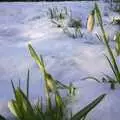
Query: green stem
x=110, y=53
x=105, y=40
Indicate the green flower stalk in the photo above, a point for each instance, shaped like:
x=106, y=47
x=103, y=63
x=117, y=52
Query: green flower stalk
x=112, y=60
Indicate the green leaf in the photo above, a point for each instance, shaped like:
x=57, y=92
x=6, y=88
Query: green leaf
x=35, y=56
x=98, y=14
x=87, y=109
x=90, y=77
x=111, y=65
x=12, y=108
x=117, y=46
x=27, y=86
x=13, y=88
x=114, y=70
x=59, y=101
x=25, y=101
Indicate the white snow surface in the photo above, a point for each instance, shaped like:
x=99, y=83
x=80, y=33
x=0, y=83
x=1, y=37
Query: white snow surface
x=67, y=59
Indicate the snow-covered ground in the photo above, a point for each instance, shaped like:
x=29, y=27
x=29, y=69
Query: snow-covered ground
x=67, y=59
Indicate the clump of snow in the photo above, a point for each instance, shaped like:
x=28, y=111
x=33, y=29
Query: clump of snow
x=67, y=59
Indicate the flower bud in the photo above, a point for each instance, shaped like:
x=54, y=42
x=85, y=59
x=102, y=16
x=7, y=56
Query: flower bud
x=90, y=22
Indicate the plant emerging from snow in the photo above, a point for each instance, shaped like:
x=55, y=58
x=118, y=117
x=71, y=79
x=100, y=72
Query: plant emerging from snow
x=111, y=59
x=63, y=19
x=58, y=15
x=22, y=108
x=52, y=85
x=73, y=28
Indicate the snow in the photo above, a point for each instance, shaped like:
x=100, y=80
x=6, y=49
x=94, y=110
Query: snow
x=67, y=59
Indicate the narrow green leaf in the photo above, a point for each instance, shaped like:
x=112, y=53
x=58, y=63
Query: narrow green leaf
x=13, y=87
x=12, y=108
x=112, y=68
x=28, y=80
x=98, y=14
x=34, y=55
x=87, y=109
x=90, y=77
